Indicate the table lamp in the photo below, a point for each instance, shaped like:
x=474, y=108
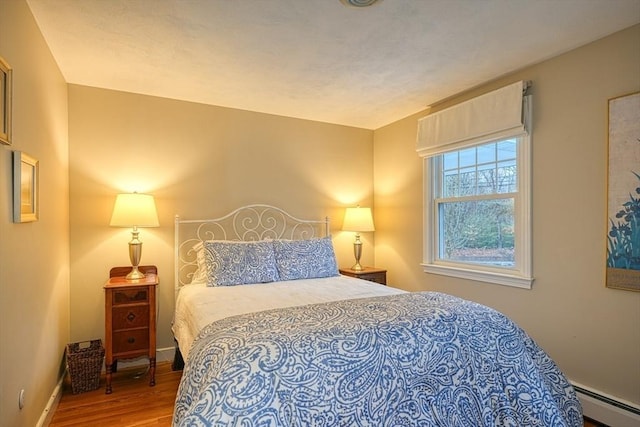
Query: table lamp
x=359, y=220
x=134, y=210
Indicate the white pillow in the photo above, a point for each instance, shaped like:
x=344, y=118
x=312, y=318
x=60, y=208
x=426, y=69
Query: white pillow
x=200, y=275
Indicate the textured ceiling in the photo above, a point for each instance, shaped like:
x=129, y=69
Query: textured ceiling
x=315, y=59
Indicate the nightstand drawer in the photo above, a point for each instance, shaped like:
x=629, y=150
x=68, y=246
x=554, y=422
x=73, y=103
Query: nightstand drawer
x=130, y=296
x=374, y=277
x=371, y=274
x=128, y=341
x=130, y=317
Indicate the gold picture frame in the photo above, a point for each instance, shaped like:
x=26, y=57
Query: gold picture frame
x=5, y=102
x=623, y=193
x=25, y=188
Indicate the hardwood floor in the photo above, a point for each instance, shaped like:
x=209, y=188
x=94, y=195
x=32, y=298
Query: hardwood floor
x=590, y=423
x=132, y=403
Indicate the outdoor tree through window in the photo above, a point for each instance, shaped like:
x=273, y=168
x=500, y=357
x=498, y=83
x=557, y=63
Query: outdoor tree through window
x=475, y=204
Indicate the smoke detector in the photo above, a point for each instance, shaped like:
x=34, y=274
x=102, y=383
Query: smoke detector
x=358, y=3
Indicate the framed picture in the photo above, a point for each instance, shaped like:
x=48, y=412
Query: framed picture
x=623, y=193
x=25, y=188
x=5, y=102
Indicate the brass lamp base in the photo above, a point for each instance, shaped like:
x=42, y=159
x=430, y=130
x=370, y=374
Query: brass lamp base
x=135, y=274
x=135, y=253
x=357, y=252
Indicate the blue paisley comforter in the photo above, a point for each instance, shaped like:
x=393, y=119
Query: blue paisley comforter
x=415, y=359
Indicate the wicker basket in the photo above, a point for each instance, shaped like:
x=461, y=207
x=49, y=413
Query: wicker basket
x=84, y=363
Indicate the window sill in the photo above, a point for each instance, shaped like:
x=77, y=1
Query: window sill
x=479, y=275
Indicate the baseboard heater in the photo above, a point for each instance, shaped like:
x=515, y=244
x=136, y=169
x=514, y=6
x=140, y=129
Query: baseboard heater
x=607, y=409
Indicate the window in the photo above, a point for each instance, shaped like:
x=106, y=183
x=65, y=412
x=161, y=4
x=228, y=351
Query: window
x=474, y=198
x=477, y=220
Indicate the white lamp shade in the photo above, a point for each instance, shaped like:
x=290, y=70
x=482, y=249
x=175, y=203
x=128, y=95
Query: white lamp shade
x=358, y=220
x=134, y=209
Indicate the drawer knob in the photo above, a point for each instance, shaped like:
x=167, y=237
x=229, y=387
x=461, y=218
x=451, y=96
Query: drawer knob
x=131, y=317
x=131, y=340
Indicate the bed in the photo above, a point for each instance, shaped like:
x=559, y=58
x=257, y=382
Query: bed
x=272, y=335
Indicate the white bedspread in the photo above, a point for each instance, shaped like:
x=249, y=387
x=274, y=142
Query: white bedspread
x=198, y=305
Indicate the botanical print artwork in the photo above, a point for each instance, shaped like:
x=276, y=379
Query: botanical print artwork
x=623, y=234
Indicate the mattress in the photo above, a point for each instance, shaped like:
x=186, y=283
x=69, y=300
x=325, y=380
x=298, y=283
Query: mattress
x=198, y=305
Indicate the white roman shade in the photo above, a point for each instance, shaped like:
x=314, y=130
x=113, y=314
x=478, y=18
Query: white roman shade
x=501, y=113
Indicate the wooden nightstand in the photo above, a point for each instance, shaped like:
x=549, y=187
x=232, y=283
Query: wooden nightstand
x=371, y=274
x=130, y=319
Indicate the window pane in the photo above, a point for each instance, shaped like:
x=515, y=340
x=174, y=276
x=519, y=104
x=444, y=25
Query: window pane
x=467, y=157
x=450, y=161
x=507, y=177
x=479, y=232
x=487, y=153
x=507, y=149
x=467, y=182
x=450, y=184
x=487, y=179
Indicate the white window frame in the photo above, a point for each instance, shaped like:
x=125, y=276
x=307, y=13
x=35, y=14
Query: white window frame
x=520, y=274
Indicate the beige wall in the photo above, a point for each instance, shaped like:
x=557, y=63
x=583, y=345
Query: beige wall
x=34, y=257
x=199, y=161
x=591, y=331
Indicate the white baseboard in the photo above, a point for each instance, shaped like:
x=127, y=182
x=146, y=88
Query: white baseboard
x=52, y=404
x=607, y=409
x=162, y=355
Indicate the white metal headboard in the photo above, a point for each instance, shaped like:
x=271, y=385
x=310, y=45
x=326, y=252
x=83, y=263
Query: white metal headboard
x=252, y=222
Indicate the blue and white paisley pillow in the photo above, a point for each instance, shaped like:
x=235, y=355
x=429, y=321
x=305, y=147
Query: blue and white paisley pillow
x=237, y=263
x=305, y=259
